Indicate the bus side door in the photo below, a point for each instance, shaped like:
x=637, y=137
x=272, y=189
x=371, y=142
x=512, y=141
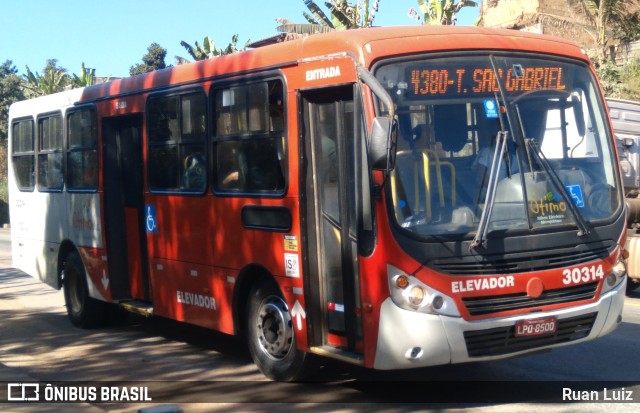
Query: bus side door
x=328, y=182
x=123, y=208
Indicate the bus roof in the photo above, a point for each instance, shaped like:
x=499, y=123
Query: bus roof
x=365, y=45
x=46, y=103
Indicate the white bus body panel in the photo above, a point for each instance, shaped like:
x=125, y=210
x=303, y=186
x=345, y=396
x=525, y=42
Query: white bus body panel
x=41, y=221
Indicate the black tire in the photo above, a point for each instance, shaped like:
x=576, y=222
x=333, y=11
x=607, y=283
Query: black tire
x=83, y=311
x=632, y=285
x=271, y=336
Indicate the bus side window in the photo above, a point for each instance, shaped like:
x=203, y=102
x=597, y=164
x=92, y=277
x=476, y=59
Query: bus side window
x=177, y=130
x=50, y=155
x=82, y=158
x=249, y=144
x=23, y=154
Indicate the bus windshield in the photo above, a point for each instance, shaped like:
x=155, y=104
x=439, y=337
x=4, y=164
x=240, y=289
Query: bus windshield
x=539, y=121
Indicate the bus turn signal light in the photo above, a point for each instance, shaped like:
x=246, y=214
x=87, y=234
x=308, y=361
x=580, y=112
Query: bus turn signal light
x=402, y=281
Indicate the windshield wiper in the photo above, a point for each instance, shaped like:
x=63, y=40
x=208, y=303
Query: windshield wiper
x=534, y=148
x=490, y=197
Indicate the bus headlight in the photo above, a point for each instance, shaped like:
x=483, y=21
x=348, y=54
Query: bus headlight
x=620, y=269
x=416, y=296
x=411, y=294
x=618, y=274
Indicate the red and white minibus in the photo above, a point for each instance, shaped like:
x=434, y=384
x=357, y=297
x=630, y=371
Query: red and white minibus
x=391, y=197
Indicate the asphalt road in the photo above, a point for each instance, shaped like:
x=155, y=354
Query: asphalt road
x=194, y=370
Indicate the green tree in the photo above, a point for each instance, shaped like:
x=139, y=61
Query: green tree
x=153, y=60
x=341, y=15
x=198, y=52
x=53, y=79
x=630, y=78
x=607, y=20
x=87, y=77
x=11, y=90
x=439, y=12
x=208, y=49
x=621, y=82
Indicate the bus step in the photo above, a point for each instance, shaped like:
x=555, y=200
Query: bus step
x=339, y=354
x=138, y=307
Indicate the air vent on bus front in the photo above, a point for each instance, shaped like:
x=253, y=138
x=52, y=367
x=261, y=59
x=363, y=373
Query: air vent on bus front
x=493, y=304
x=521, y=262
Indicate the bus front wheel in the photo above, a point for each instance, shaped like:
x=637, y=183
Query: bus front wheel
x=83, y=311
x=271, y=336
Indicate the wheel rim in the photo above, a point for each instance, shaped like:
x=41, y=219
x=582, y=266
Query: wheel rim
x=274, y=328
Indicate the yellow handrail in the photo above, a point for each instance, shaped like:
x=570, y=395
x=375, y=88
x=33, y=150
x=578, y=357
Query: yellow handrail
x=427, y=165
x=437, y=164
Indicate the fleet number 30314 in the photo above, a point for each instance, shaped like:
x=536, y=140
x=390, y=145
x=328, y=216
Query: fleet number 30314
x=582, y=275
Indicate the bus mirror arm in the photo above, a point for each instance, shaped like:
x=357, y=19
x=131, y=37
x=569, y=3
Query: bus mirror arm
x=383, y=137
x=382, y=143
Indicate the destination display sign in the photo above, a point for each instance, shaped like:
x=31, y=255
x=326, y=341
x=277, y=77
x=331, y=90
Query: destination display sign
x=432, y=81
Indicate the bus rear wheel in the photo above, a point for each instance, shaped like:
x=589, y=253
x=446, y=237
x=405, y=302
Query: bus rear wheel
x=271, y=336
x=83, y=311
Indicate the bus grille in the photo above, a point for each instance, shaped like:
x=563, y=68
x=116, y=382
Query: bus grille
x=493, y=304
x=522, y=262
x=497, y=341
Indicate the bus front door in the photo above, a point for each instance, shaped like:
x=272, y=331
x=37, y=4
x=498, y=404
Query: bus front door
x=123, y=209
x=328, y=182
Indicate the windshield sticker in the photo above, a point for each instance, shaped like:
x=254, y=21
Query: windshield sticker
x=576, y=194
x=490, y=109
x=549, y=209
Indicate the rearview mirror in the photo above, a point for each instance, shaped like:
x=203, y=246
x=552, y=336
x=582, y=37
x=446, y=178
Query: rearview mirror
x=627, y=143
x=576, y=104
x=382, y=143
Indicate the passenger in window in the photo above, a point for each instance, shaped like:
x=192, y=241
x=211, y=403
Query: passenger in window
x=229, y=159
x=482, y=163
x=265, y=172
x=256, y=166
x=195, y=171
x=231, y=178
x=485, y=158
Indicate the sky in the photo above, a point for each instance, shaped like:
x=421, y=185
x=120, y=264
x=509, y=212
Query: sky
x=113, y=35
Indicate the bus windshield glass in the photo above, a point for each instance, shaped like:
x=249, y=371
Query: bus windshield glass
x=539, y=121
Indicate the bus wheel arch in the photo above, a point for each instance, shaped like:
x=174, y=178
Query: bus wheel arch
x=83, y=310
x=262, y=317
x=248, y=277
x=66, y=248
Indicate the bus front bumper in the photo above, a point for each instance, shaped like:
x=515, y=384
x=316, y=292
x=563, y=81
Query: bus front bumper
x=408, y=339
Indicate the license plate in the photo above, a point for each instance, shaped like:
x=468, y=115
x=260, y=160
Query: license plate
x=536, y=327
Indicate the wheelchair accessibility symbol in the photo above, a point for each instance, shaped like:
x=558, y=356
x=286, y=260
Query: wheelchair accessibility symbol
x=576, y=194
x=152, y=226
